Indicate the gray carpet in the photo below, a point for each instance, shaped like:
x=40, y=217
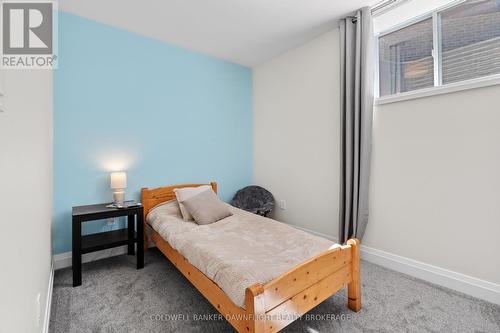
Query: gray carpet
x=115, y=297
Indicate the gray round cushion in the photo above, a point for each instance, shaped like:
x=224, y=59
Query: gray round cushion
x=254, y=199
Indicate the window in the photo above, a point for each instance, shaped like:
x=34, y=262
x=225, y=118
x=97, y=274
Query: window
x=406, y=63
x=458, y=43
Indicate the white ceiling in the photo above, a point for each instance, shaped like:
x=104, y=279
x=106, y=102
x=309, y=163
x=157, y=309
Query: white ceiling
x=246, y=32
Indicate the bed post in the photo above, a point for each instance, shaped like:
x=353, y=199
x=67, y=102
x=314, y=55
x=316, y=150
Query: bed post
x=354, y=288
x=256, y=308
x=214, y=186
x=145, y=206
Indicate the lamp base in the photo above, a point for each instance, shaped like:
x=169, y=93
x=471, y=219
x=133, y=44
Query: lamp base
x=118, y=197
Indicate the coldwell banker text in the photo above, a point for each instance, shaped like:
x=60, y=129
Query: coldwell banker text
x=28, y=35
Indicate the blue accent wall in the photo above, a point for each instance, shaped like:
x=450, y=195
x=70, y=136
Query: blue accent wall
x=165, y=115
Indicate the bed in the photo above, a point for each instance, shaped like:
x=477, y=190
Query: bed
x=259, y=301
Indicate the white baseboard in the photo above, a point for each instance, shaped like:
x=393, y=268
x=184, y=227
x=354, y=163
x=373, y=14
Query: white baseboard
x=332, y=238
x=466, y=284
x=48, y=303
x=63, y=260
x=469, y=285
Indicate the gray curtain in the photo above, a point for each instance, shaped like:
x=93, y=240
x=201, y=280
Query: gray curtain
x=356, y=44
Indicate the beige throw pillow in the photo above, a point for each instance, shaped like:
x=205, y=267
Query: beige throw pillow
x=206, y=208
x=185, y=193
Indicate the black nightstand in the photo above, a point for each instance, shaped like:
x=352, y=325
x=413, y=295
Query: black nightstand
x=106, y=240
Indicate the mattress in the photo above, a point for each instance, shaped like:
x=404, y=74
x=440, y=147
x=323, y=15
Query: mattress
x=237, y=251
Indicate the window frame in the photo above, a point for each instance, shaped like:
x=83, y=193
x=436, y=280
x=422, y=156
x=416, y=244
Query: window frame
x=439, y=87
x=2, y=93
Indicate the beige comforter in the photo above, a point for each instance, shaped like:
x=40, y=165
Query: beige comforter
x=238, y=251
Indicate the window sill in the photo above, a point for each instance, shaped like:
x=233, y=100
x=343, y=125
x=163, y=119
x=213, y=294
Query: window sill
x=446, y=89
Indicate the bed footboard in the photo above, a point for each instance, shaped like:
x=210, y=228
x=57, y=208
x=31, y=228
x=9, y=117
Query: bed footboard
x=284, y=299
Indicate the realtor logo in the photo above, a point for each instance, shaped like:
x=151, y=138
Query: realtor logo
x=28, y=35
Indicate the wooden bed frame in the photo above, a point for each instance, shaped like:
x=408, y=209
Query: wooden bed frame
x=271, y=306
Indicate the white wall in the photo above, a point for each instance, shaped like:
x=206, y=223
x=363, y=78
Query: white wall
x=296, y=133
x=25, y=198
x=435, y=189
x=435, y=184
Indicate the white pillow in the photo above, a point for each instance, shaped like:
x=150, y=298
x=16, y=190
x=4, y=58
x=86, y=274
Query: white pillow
x=185, y=193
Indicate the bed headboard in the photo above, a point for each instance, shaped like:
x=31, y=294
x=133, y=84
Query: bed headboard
x=152, y=197
x=155, y=196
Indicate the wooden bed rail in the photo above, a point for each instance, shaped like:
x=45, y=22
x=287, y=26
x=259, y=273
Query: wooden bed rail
x=284, y=299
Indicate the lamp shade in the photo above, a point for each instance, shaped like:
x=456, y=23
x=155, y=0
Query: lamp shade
x=118, y=180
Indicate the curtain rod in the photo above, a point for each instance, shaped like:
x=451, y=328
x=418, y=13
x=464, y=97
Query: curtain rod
x=386, y=5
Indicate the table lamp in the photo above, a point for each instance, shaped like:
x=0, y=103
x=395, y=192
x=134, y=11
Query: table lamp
x=118, y=185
